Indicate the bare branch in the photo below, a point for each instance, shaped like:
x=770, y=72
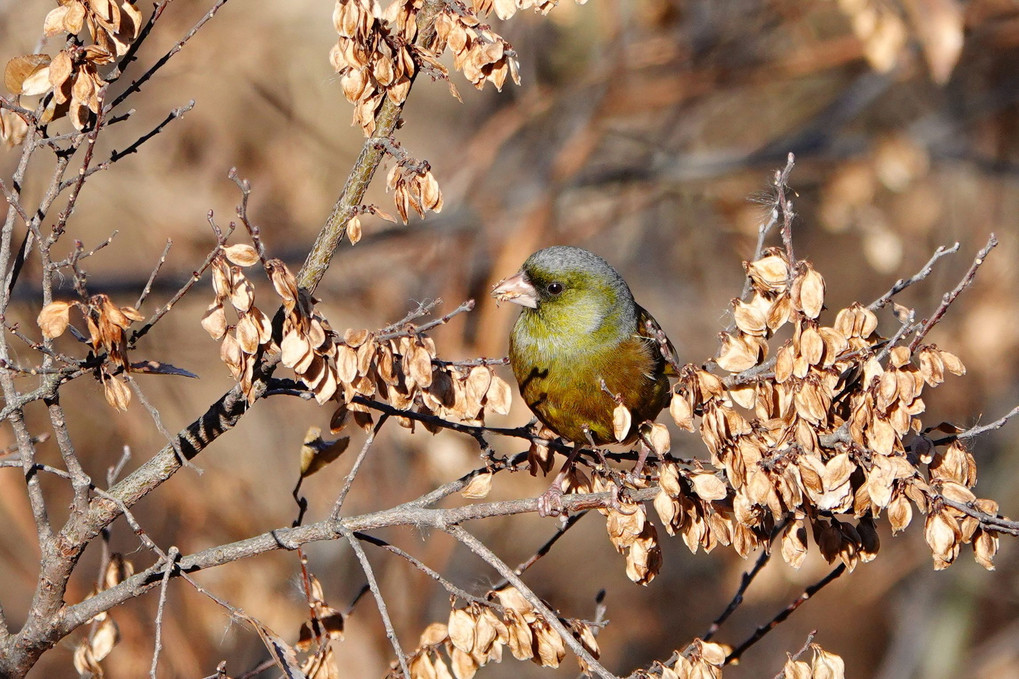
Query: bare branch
x=141, y=80
x=349, y=481
x=417, y=563
x=173, y=115
x=547, y=614
x=171, y=557
x=320, y=256
x=902, y=284
x=998, y=524
x=380, y=602
x=982, y=429
x=152, y=277
x=165, y=309
x=949, y=297
x=425, y=327
x=761, y=631
x=797, y=654
x=290, y=538
x=737, y=599
x=786, y=207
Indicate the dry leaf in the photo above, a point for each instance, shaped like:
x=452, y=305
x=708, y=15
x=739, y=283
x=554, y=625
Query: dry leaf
x=241, y=254
x=621, y=419
x=354, y=230
x=478, y=487
x=28, y=74
x=316, y=453
x=54, y=318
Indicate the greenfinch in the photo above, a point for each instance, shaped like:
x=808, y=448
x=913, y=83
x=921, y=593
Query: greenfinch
x=582, y=346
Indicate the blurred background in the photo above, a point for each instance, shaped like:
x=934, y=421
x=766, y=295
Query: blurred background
x=645, y=130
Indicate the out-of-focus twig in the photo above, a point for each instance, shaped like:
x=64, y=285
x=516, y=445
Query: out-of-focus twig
x=952, y=295
x=321, y=254
x=761, y=631
x=922, y=274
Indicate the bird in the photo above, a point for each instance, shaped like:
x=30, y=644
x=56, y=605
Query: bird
x=581, y=347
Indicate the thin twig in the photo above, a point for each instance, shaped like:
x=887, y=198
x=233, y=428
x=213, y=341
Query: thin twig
x=380, y=602
x=425, y=327
x=998, y=524
x=129, y=56
x=173, y=115
x=797, y=654
x=80, y=254
x=922, y=274
x=545, y=548
x=417, y=563
x=421, y=310
x=982, y=429
x=349, y=480
x=171, y=557
x=761, y=631
x=282, y=653
x=242, y=212
x=905, y=327
x=762, y=232
x=152, y=277
x=737, y=599
x=949, y=297
x=786, y=206
x=79, y=180
x=136, y=85
x=172, y=439
x=14, y=202
x=114, y=472
x=165, y=309
x=80, y=481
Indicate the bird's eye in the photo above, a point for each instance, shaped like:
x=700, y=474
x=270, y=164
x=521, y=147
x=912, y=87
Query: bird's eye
x=555, y=288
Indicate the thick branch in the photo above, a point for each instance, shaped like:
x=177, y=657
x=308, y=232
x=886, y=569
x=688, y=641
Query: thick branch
x=372, y=153
x=291, y=538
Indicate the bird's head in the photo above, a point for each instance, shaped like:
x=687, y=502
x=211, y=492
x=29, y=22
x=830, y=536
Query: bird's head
x=569, y=288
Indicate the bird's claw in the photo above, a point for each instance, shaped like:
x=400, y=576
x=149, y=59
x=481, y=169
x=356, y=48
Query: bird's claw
x=614, y=503
x=633, y=479
x=550, y=503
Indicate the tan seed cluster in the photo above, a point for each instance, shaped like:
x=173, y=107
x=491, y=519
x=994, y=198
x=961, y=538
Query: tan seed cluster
x=242, y=343
x=414, y=188
x=633, y=536
x=696, y=505
x=376, y=56
x=478, y=52
x=505, y=9
x=73, y=74
x=105, y=635
x=833, y=430
x=372, y=54
x=700, y=660
x=823, y=665
x=106, y=323
x=477, y=635
x=399, y=367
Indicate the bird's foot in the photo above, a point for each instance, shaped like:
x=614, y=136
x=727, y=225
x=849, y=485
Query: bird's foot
x=635, y=477
x=550, y=503
x=618, y=499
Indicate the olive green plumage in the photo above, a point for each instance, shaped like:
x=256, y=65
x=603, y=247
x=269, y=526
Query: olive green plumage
x=580, y=325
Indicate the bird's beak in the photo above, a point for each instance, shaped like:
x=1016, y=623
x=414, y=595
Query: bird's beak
x=517, y=289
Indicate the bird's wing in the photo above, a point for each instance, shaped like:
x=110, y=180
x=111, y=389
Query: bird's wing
x=649, y=329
